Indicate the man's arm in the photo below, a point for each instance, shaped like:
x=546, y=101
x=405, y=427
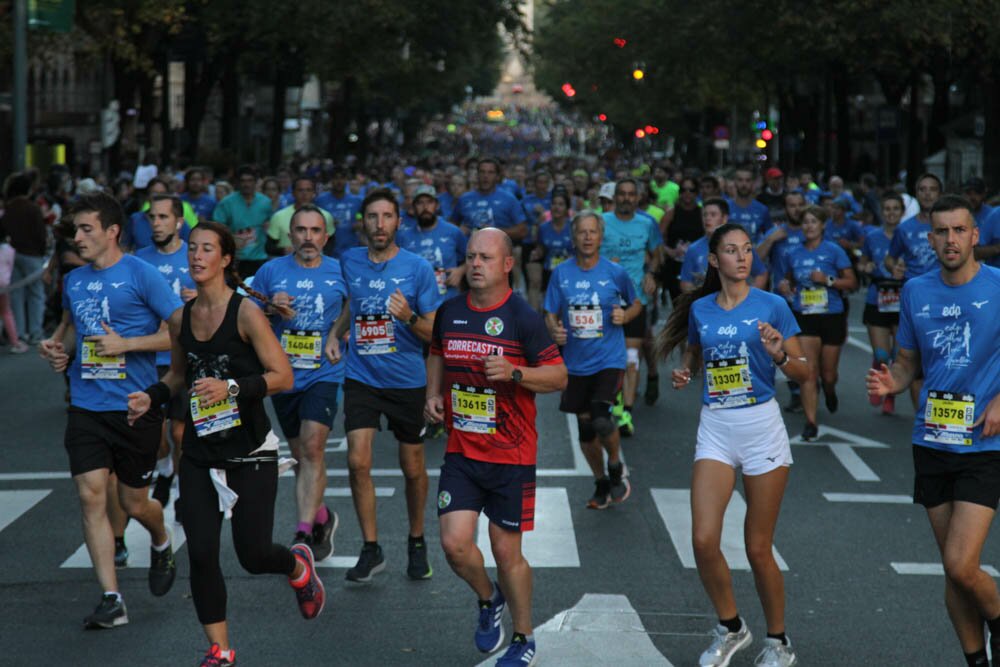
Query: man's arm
x=544, y=379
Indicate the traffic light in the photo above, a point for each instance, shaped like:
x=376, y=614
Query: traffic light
x=603, y=117
x=761, y=144
x=568, y=90
x=639, y=71
x=620, y=42
x=767, y=135
x=640, y=133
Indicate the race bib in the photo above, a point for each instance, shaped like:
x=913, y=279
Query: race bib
x=304, y=348
x=440, y=275
x=586, y=321
x=888, y=298
x=728, y=383
x=474, y=409
x=814, y=301
x=948, y=417
x=95, y=367
x=557, y=260
x=375, y=334
x=214, y=418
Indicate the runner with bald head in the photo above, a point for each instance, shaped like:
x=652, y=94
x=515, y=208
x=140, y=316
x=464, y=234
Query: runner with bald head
x=490, y=354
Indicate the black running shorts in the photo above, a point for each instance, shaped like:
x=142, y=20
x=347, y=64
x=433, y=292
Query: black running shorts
x=96, y=440
x=943, y=477
x=364, y=406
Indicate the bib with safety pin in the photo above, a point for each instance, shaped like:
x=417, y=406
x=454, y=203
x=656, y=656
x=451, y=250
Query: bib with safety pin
x=440, y=276
x=948, y=417
x=814, y=300
x=213, y=418
x=728, y=382
x=96, y=367
x=375, y=334
x=474, y=409
x=304, y=348
x=888, y=297
x=586, y=321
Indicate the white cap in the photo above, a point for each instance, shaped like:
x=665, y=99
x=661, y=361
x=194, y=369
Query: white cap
x=144, y=174
x=607, y=191
x=87, y=186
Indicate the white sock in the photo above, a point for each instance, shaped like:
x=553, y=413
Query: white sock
x=115, y=593
x=162, y=547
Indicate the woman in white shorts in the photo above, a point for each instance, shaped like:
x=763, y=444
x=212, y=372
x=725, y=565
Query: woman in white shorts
x=737, y=335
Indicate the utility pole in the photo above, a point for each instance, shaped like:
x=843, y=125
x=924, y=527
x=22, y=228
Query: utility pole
x=20, y=99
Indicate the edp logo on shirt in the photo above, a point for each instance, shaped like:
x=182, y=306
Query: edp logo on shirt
x=376, y=284
x=729, y=330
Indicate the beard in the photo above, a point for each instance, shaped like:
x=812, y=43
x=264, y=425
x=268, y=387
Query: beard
x=426, y=221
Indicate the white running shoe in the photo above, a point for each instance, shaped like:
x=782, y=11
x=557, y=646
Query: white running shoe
x=724, y=645
x=776, y=654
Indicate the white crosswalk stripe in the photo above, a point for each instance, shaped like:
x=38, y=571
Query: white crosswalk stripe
x=138, y=543
x=15, y=503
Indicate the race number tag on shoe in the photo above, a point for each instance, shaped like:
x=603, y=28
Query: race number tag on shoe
x=214, y=418
x=728, y=382
x=586, y=321
x=304, y=348
x=814, y=301
x=95, y=367
x=375, y=334
x=888, y=298
x=474, y=409
x=948, y=417
x=440, y=276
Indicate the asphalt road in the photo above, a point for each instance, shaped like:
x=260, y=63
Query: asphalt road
x=851, y=597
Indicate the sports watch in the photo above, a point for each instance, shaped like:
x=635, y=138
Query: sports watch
x=232, y=388
x=413, y=319
x=516, y=376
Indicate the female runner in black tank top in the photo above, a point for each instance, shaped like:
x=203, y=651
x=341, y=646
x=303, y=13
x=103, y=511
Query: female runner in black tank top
x=681, y=226
x=225, y=356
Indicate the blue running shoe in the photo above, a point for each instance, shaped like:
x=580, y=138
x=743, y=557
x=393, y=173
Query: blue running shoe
x=489, y=632
x=520, y=653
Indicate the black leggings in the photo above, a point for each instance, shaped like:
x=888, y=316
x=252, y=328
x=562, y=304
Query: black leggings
x=253, y=520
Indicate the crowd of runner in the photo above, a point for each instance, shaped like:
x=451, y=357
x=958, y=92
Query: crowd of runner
x=443, y=295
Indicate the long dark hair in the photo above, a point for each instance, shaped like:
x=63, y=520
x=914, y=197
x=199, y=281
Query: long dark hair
x=227, y=246
x=675, y=331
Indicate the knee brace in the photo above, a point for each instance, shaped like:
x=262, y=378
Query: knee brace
x=586, y=429
x=881, y=356
x=602, y=421
x=632, y=357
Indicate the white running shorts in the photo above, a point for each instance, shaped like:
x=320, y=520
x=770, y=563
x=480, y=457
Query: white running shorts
x=753, y=438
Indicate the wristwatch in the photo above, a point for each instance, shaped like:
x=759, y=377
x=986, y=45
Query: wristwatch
x=516, y=376
x=830, y=280
x=784, y=360
x=232, y=388
x=413, y=319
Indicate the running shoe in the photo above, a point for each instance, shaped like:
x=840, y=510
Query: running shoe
x=832, y=403
x=311, y=596
x=520, y=653
x=602, y=494
x=121, y=553
x=625, y=426
x=810, y=432
x=794, y=404
x=489, y=632
x=161, y=489
x=620, y=487
x=20, y=348
x=214, y=658
x=162, y=570
x=109, y=613
x=370, y=562
x=652, y=389
x=776, y=654
x=302, y=538
x=322, y=536
x=417, y=567
x=889, y=404
x=724, y=645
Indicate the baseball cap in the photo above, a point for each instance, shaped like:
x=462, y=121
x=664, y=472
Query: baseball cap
x=425, y=191
x=974, y=184
x=87, y=186
x=607, y=191
x=773, y=172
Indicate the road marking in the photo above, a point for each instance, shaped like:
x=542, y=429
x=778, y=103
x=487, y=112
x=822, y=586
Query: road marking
x=934, y=569
x=674, y=506
x=843, y=450
x=598, y=630
x=137, y=540
x=890, y=498
x=15, y=503
x=860, y=344
x=345, y=492
x=31, y=476
x=552, y=543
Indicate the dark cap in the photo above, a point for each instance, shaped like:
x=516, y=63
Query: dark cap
x=974, y=184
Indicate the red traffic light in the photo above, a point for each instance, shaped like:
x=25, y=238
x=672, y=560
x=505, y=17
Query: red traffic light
x=767, y=135
x=640, y=133
x=568, y=90
x=620, y=43
x=602, y=117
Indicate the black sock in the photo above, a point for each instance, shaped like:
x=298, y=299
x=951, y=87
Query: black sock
x=518, y=637
x=733, y=624
x=119, y=542
x=778, y=635
x=977, y=659
x=652, y=378
x=416, y=540
x=371, y=545
x=994, y=626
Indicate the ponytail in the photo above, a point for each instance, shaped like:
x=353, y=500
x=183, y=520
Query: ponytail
x=286, y=312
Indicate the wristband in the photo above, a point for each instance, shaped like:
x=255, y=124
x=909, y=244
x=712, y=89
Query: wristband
x=252, y=386
x=159, y=393
x=784, y=360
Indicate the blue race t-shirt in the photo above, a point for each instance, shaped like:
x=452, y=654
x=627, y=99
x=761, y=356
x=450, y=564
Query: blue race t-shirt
x=755, y=217
x=778, y=259
x=173, y=267
x=850, y=230
x=133, y=299
x=203, y=205
x=626, y=242
x=989, y=234
x=443, y=247
x=497, y=209
x=583, y=299
x=558, y=244
x=318, y=296
x=695, y=264
x=345, y=210
x=911, y=243
x=810, y=298
x=955, y=330
x=875, y=247
x=738, y=370
x=384, y=352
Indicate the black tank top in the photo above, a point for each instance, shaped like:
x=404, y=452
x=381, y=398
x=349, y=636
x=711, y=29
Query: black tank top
x=686, y=226
x=224, y=356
